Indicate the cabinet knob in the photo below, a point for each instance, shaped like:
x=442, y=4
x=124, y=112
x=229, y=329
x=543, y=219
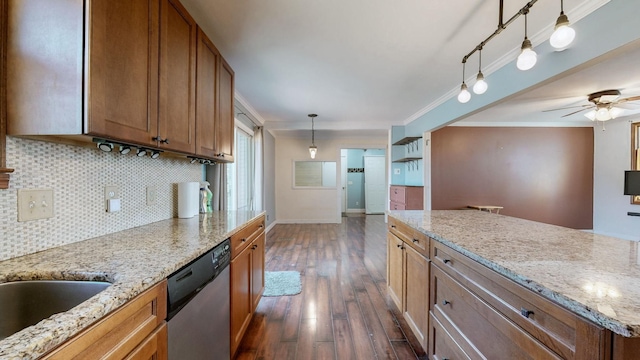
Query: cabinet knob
x=254, y=247
x=399, y=246
x=446, y=261
x=164, y=141
x=393, y=226
x=243, y=239
x=415, y=241
x=525, y=312
x=446, y=302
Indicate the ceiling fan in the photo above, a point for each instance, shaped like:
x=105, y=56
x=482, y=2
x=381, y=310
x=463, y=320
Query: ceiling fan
x=605, y=105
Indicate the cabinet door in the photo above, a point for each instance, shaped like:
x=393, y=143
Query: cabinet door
x=206, y=95
x=241, y=302
x=417, y=294
x=122, y=81
x=177, y=88
x=257, y=270
x=395, y=279
x=154, y=347
x=224, y=127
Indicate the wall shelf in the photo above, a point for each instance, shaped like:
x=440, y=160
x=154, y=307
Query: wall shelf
x=407, y=140
x=407, y=159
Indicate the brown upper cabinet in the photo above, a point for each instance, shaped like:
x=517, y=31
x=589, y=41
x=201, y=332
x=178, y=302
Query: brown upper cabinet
x=214, y=103
x=123, y=70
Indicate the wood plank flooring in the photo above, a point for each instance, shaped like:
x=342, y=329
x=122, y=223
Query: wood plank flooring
x=343, y=311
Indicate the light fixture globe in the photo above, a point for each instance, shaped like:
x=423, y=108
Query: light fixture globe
x=602, y=114
x=615, y=112
x=563, y=34
x=527, y=58
x=464, y=96
x=480, y=87
x=312, y=151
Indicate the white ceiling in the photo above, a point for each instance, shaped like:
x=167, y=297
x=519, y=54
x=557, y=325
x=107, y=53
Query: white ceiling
x=364, y=65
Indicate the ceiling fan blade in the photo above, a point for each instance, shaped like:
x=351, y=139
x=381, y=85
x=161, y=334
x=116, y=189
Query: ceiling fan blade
x=575, y=112
x=568, y=107
x=633, y=98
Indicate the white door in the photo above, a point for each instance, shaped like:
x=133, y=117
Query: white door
x=343, y=177
x=375, y=187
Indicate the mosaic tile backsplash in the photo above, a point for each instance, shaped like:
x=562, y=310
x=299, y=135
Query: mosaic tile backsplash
x=78, y=176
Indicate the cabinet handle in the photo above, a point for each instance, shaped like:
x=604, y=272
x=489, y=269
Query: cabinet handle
x=164, y=141
x=400, y=246
x=446, y=261
x=254, y=247
x=243, y=240
x=415, y=241
x=526, y=313
x=446, y=302
x=220, y=155
x=158, y=138
x=393, y=226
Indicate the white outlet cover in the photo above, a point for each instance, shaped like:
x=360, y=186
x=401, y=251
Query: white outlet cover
x=152, y=195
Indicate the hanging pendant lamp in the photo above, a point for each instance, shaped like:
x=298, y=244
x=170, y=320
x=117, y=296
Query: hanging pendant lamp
x=313, y=149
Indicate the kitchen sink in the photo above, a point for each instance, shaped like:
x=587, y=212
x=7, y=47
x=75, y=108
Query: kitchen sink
x=25, y=303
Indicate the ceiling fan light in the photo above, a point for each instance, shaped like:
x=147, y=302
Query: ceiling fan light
x=615, y=112
x=464, y=96
x=563, y=34
x=480, y=87
x=602, y=114
x=527, y=58
x=591, y=115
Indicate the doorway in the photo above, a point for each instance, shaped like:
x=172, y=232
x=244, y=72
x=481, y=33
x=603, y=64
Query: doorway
x=355, y=198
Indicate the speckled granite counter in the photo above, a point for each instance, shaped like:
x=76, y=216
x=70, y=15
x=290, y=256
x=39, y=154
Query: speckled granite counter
x=595, y=276
x=132, y=260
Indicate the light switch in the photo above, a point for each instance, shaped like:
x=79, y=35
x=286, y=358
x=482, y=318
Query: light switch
x=34, y=204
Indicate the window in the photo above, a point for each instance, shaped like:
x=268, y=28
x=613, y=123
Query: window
x=240, y=174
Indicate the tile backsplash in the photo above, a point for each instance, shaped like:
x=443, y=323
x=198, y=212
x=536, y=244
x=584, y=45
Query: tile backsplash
x=78, y=176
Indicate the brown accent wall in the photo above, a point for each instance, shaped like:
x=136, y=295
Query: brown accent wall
x=540, y=174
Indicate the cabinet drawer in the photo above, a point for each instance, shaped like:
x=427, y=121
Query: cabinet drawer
x=241, y=239
x=414, y=238
x=441, y=343
x=484, y=328
x=120, y=332
x=396, y=206
x=551, y=324
x=397, y=194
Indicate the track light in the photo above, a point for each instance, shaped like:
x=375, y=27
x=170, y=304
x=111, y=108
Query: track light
x=155, y=154
x=563, y=34
x=480, y=87
x=105, y=146
x=141, y=152
x=527, y=58
x=464, y=95
x=124, y=149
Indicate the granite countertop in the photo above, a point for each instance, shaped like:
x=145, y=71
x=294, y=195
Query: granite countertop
x=594, y=276
x=132, y=260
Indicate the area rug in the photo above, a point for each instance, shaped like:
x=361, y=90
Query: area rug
x=280, y=283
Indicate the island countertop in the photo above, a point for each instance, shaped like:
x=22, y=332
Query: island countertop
x=594, y=276
x=132, y=260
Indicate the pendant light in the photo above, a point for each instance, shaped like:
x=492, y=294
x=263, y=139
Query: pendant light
x=464, y=95
x=480, y=87
x=313, y=149
x=527, y=58
x=563, y=34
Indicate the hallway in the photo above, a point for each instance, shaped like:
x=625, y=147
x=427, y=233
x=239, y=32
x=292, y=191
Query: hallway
x=343, y=311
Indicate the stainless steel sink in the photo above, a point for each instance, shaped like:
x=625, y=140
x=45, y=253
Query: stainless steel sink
x=25, y=303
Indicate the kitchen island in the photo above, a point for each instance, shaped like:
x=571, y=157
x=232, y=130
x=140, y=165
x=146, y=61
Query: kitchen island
x=592, y=276
x=132, y=261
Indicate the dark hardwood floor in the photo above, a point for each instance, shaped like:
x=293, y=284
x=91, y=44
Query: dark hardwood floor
x=343, y=311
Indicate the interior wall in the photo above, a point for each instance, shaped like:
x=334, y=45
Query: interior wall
x=312, y=205
x=269, y=168
x=78, y=176
x=612, y=157
x=540, y=174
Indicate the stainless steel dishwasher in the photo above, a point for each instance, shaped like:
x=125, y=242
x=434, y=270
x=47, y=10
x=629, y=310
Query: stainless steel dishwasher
x=198, y=313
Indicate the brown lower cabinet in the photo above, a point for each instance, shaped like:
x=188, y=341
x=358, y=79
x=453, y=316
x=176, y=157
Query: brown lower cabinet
x=137, y=330
x=247, y=277
x=472, y=312
x=408, y=277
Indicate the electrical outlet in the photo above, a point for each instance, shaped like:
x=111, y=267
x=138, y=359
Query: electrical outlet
x=152, y=195
x=34, y=204
x=111, y=192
